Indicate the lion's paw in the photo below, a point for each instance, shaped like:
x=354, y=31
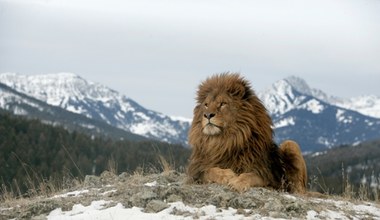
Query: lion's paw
x=218, y=175
x=244, y=181
x=239, y=184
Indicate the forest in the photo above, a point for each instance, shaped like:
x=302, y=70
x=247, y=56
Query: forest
x=33, y=152
x=350, y=170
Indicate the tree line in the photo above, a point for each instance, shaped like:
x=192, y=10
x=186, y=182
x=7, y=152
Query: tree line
x=32, y=151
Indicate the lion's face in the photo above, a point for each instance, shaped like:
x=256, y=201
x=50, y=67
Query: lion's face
x=217, y=112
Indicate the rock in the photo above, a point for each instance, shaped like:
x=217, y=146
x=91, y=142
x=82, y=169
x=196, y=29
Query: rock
x=132, y=190
x=141, y=199
x=91, y=181
x=155, y=206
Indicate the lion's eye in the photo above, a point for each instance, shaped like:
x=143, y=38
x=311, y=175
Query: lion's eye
x=206, y=105
x=222, y=104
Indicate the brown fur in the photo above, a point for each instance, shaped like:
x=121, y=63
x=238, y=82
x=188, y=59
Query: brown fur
x=232, y=140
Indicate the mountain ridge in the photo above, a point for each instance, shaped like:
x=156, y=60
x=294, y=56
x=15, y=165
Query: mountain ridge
x=368, y=105
x=24, y=105
x=313, y=118
x=73, y=93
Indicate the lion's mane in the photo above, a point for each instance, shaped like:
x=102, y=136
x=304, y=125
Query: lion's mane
x=246, y=145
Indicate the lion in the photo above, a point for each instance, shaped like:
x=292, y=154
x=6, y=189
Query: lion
x=232, y=142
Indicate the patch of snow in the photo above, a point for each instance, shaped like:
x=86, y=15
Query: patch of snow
x=314, y=106
x=181, y=119
x=74, y=109
x=366, y=105
x=72, y=194
x=110, y=191
x=339, y=115
x=316, y=154
x=90, y=126
x=19, y=111
x=290, y=197
x=151, y=184
x=82, y=212
x=178, y=210
x=284, y=122
x=141, y=128
x=97, y=210
x=142, y=116
x=328, y=214
x=311, y=215
x=325, y=141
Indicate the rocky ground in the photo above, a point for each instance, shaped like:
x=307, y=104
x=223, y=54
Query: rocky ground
x=157, y=193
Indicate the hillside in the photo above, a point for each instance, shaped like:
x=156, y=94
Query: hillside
x=22, y=104
x=32, y=152
x=346, y=169
x=167, y=196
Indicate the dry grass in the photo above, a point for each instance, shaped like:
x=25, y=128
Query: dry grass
x=36, y=184
x=39, y=186
x=363, y=192
x=165, y=165
x=112, y=166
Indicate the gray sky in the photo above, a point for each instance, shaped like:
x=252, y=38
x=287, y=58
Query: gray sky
x=157, y=51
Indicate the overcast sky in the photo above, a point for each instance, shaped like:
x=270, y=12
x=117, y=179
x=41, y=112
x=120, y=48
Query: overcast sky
x=157, y=51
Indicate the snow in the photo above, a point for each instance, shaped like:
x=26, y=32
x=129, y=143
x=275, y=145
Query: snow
x=73, y=194
x=284, y=122
x=316, y=154
x=73, y=93
x=143, y=128
x=178, y=210
x=367, y=105
x=181, y=119
x=280, y=98
x=98, y=210
x=318, y=209
x=339, y=115
x=142, y=116
x=151, y=184
x=299, y=84
x=325, y=141
x=314, y=106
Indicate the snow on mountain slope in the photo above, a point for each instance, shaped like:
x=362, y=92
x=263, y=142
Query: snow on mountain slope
x=22, y=104
x=75, y=94
x=279, y=98
x=7, y=98
x=366, y=104
x=313, y=118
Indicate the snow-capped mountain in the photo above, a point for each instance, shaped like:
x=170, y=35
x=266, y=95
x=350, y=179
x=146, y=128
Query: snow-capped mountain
x=309, y=116
x=314, y=119
x=95, y=101
x=279, y=98
x=21, y=104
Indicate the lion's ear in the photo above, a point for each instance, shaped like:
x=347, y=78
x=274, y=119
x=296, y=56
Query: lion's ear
x=239, y=91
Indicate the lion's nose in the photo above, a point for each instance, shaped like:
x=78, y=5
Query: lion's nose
x=209, y=115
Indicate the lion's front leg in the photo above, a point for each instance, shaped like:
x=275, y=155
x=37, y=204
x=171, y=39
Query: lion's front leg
x=245, y=181
x=218, y=175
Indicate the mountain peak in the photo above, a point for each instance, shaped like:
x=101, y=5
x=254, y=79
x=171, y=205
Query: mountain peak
x=298, y=84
